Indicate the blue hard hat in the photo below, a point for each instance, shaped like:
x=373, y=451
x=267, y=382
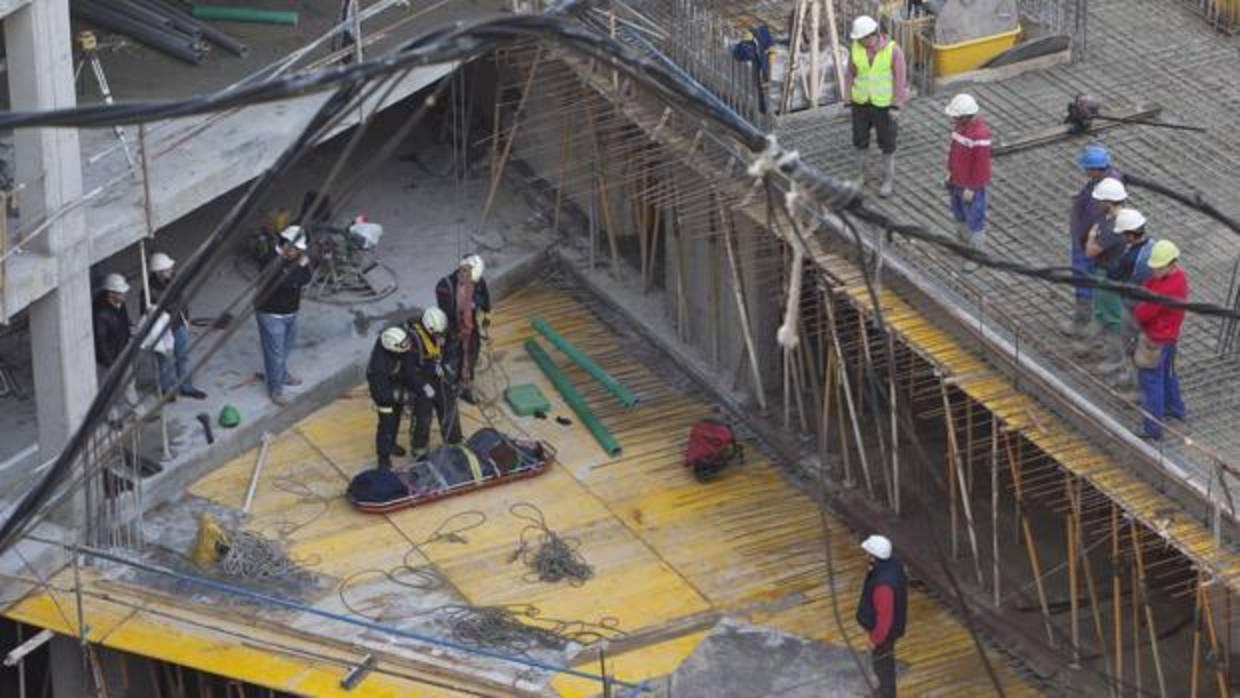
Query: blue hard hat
x=1094, y=157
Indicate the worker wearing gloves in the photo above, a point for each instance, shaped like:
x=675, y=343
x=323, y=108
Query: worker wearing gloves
x=174, y=372
x=432, y=384
x=465, y=300
x=876, y=85
x=883, y=610
x=277, y=310
x=968, y=171
x=1160, y=332
x=1086, y=212
x=386, y=377
x=1104, y=246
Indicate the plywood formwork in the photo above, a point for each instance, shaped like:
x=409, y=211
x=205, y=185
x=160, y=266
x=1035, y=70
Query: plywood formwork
x=670, y=555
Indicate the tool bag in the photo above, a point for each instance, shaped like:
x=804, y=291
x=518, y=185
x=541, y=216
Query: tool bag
x=712, y=446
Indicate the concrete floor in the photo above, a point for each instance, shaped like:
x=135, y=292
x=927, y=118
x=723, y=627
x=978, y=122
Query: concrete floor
x=1138, y=52
x=671, y=557
x=428, y=221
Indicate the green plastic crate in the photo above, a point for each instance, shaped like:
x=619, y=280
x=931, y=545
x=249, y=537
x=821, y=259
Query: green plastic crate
x=526, y=400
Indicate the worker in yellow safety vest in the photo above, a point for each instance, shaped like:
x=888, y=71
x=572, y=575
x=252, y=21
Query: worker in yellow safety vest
x=876, y=86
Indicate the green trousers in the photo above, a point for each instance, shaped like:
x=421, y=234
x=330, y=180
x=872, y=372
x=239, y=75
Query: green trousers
x=1108, y=306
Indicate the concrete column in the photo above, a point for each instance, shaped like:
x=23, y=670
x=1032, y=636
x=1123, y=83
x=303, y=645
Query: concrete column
x=66, y=663
x=40, y=73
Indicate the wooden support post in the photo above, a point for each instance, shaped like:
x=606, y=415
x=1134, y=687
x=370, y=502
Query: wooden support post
x=742, y=308
x=1136, y=615
x=815, y=78
x=1143, y=591
x=559, y=187
x=798, y=22
x=824, y=425
x=1090, y=587
x=1117, y=606
x=964, y=495
x=682, y=304
x=895, y=425
x=835, y=49
x=864, y=334
x=994, y=505
x=948, y=457
x=1073, y=590
x=1196, y=643
x=845, y=454
x=1218, y=650
x=1027, y=531
x=605, y=202
x=497, y=173
x=4, y=253
x=848, y=399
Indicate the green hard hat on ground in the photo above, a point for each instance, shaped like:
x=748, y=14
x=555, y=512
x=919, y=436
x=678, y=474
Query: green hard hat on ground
x=229, y=417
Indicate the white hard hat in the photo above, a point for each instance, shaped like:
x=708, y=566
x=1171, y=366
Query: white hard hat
x=293, y=234
x=395, y=339
x=962, y=104
x=161, y=262
x=434, y=320
x=115, y=283
x=1128, y=219
x=878, y=546
x=1110, y=189
x=862, y=27
x=476, y=266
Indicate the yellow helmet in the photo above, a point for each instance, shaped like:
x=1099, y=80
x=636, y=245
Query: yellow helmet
x=1163, y=253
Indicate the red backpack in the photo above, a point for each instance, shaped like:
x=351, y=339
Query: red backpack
x=712, y=446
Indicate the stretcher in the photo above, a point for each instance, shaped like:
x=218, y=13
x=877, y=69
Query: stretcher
x=486, y=459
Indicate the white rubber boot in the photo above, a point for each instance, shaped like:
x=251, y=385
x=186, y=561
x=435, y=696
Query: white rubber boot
x=889, y=175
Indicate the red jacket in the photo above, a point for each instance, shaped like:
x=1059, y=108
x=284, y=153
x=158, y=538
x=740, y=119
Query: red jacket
x=968, y=158
x=1160, y=323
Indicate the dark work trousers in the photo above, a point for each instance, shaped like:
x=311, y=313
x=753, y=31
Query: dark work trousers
x=867, y=116
x=443, y=406
x=462, y=356
x=389, y=426
x=883, y=659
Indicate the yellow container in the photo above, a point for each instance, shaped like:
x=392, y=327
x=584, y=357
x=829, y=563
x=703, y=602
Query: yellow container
x=950, y=59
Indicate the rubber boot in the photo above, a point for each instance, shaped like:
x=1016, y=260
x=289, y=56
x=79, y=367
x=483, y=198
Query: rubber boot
x=889, y=175
x=862, y=157
x=1088, y=344
x=1082, y=316
x=398, y=450
x=1115, y=358
x=385, y=462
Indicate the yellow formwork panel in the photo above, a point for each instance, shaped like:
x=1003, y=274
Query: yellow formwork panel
x=636, y=666
x=664, y=547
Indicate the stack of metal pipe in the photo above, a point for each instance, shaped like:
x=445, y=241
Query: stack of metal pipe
x=157, y=24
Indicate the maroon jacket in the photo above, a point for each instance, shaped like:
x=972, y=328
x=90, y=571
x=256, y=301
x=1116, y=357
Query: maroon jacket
x=968, y=158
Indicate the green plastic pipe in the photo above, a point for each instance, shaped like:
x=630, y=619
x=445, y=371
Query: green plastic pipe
x=572, y=397
x=236, y=13
x=626, y=396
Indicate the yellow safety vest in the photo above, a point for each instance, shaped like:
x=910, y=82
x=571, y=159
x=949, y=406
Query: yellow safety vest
x=875, y=82
x=430, y=348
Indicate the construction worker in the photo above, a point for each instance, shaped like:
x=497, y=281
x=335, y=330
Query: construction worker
x=1160, y=332
x=110, y=319
x=1104, y=247
x=173, y=370
x=432, y=384
x=1133, y=266
x=1086, y=212
x=387, y=378
x=968, y=170
x=882, y=610
x=876, y=85
x=113, y=329
x=277, y=310
x=465, y=300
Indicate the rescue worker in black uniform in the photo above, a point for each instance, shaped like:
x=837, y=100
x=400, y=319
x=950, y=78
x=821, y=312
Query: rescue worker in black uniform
x=466, y=302
x=387, y=377
x=432, y=384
